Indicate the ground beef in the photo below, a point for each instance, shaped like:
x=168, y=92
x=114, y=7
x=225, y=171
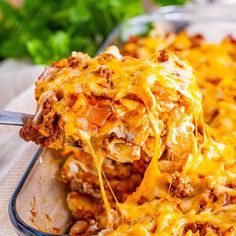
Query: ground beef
x=164, y=56
x=45, y=130
x=179, y=186
x=201, y=228
x=104, y=72
x=196, y=40
x=85, y=228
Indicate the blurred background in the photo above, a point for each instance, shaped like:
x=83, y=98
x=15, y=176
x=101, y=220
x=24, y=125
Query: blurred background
x=47, y=30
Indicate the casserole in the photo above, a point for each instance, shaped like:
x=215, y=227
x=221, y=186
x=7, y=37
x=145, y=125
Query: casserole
x=171, y=20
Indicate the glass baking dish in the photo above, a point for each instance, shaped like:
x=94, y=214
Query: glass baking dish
x=38, y=206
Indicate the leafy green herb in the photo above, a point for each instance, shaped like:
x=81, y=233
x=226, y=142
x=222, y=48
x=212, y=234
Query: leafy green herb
x=46, y=30
x=171, y=2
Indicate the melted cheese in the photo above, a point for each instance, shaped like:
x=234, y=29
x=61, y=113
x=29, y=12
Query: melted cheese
x=196, y=188
x=98, y=162
x=215, y=68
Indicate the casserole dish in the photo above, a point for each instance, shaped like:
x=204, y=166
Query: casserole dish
x=37, y=207
x=38, y=202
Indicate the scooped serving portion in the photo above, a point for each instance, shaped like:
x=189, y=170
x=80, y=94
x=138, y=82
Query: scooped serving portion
x=143, y=116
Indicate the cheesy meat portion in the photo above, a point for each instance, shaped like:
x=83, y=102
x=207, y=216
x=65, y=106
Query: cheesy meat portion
x=84, y=198
x=179, y=202
x=121, y=104
x=215, y=67
x=147, y=163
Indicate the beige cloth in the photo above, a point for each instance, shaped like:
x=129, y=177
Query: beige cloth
x=15, y=154
x=15, y=77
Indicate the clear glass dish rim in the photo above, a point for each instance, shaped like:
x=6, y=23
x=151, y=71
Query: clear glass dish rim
x=187, y=11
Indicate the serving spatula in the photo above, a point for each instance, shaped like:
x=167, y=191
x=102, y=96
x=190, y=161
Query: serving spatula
x=13, y=118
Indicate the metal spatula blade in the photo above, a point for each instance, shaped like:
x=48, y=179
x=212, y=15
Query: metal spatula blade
x=13, y=118
x=18, y=119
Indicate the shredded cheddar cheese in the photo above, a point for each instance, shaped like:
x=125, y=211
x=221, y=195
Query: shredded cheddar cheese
x=215, y=67
x=145, y=114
